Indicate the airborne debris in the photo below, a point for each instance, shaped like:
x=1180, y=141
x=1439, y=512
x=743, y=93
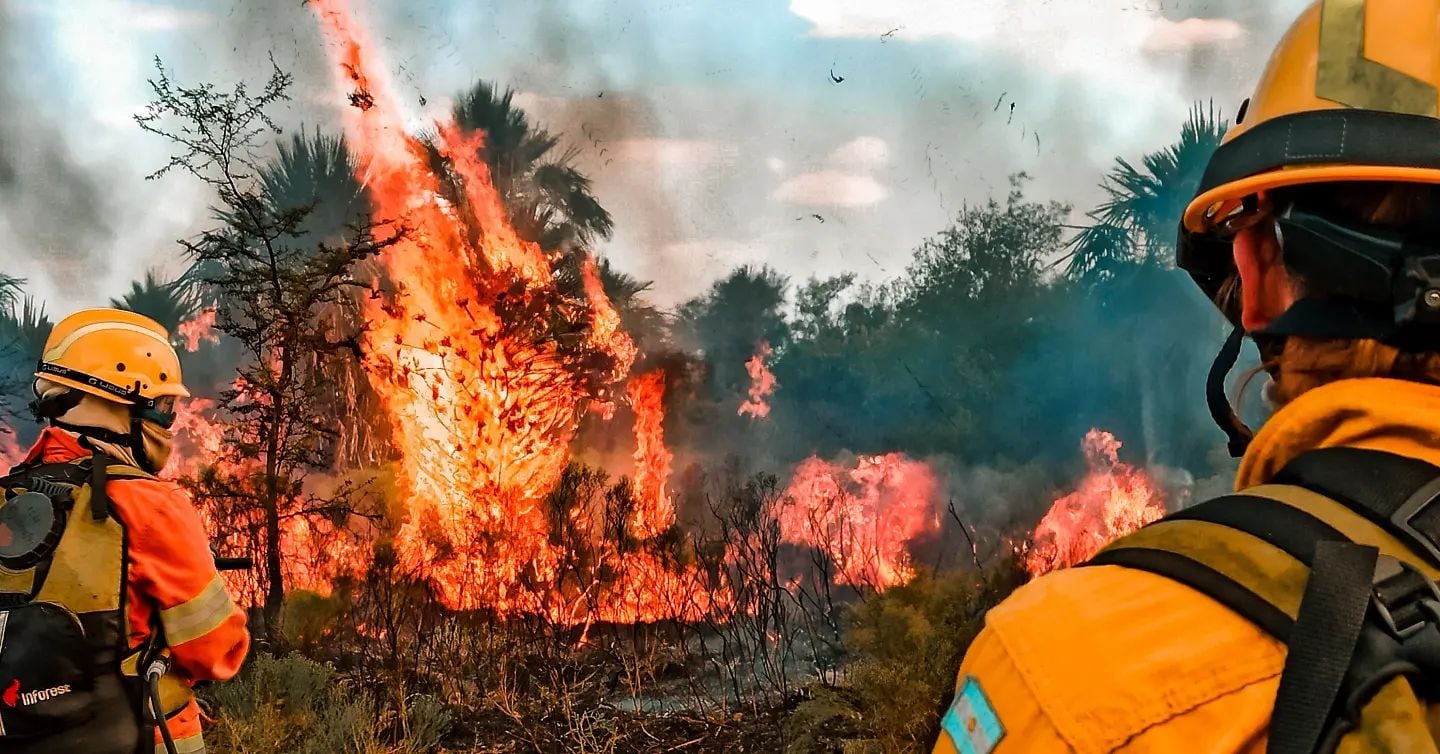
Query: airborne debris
x=834, y=78
x=362, y=99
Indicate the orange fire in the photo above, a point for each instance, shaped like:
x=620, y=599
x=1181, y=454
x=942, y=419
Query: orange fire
x=654, y=513
x=1112, y=500
x=198, y=439
x=864, y=517
x=483, y=401
x=762, y=383
x=201, y=328
x=605, y=331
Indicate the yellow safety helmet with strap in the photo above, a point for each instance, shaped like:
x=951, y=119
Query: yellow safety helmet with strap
x=1348, y=77
x=1351, y=94
x=115, y=354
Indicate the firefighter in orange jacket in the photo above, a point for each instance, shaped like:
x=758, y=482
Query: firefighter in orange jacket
x=107, y=384
x=1316, y=230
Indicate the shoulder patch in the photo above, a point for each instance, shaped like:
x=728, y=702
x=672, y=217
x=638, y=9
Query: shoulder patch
x=971, y=722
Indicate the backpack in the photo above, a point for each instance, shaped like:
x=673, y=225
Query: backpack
x=1338, y=558
x=66, y=672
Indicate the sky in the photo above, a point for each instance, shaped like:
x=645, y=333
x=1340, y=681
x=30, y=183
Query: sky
x=815, y=136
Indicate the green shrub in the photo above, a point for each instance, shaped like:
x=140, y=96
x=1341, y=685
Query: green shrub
x=292, y=705
x=308, y=619
x=906, y=644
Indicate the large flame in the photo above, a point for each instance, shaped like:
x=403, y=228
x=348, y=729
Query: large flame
x=762, y=383
x=483, y=403
x=654, y=513
x=864, y=517
x=1112, y=500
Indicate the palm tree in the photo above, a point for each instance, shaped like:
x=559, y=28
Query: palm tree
x=1137, y=222
x=10, y=288
x=313, y=173
x=645, y=324
x=1126, y=261
x=549, y=202
x=317, y=172
x=170, y=304
x=23, y=330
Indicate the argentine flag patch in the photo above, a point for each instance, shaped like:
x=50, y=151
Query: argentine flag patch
x=971, y=722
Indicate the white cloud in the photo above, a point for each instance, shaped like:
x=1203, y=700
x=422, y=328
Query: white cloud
x=831, y=188
x=126, y=14
x=153, y=17
x=1177, y=36
x=776, y=165
x=676, y=152
x=865, y=153
x=1104, y=45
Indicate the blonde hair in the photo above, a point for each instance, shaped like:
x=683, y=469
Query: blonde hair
x=1302, y=363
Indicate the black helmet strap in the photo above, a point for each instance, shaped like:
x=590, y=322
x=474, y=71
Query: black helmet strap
x=141, y=409
x=1221, y=411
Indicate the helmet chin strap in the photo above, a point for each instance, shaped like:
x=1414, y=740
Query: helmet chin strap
x=134, y=440
x=1221, y=411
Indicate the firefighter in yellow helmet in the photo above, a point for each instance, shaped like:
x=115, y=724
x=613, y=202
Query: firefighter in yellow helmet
x=110, y=604
x=1300, y=614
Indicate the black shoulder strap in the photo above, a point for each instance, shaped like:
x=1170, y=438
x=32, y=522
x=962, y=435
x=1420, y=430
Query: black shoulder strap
x=99, y=500
x=1397, y=493
x=1336, y=513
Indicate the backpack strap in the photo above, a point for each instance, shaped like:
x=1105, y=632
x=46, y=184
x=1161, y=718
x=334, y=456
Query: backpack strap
x=1395, y=492
x=102, y=468
x=1309, y=569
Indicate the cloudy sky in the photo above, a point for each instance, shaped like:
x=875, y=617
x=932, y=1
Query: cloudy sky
x=714, y=129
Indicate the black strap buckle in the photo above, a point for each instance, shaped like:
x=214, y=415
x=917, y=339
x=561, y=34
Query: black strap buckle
x=1403, y=519
x=1406, y=600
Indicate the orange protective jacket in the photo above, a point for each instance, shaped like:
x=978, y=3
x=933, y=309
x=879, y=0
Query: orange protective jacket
x=171, y=577
x=1107, y=659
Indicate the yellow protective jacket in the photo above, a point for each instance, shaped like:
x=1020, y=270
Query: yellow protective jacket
x=1108, y=659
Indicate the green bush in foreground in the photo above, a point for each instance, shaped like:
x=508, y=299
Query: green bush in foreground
x=904, y=646
x=293, y=705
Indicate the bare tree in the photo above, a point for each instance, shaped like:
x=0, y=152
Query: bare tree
x=274, y=286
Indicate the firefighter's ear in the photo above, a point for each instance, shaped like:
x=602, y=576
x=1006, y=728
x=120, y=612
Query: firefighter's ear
x=1266, y=288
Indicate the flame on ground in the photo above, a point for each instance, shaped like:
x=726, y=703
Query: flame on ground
x=863, y=518
x=313, y=553
x=762, y=383
x=1112, y=500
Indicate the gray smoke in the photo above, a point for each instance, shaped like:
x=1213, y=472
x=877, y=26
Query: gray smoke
x=54, y=211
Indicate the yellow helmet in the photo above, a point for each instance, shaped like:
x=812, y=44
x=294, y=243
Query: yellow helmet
x=1351, y=93
x=114, y=354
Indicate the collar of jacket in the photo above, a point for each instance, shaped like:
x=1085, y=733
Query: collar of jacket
x=55, y=445
x=1396, y=416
